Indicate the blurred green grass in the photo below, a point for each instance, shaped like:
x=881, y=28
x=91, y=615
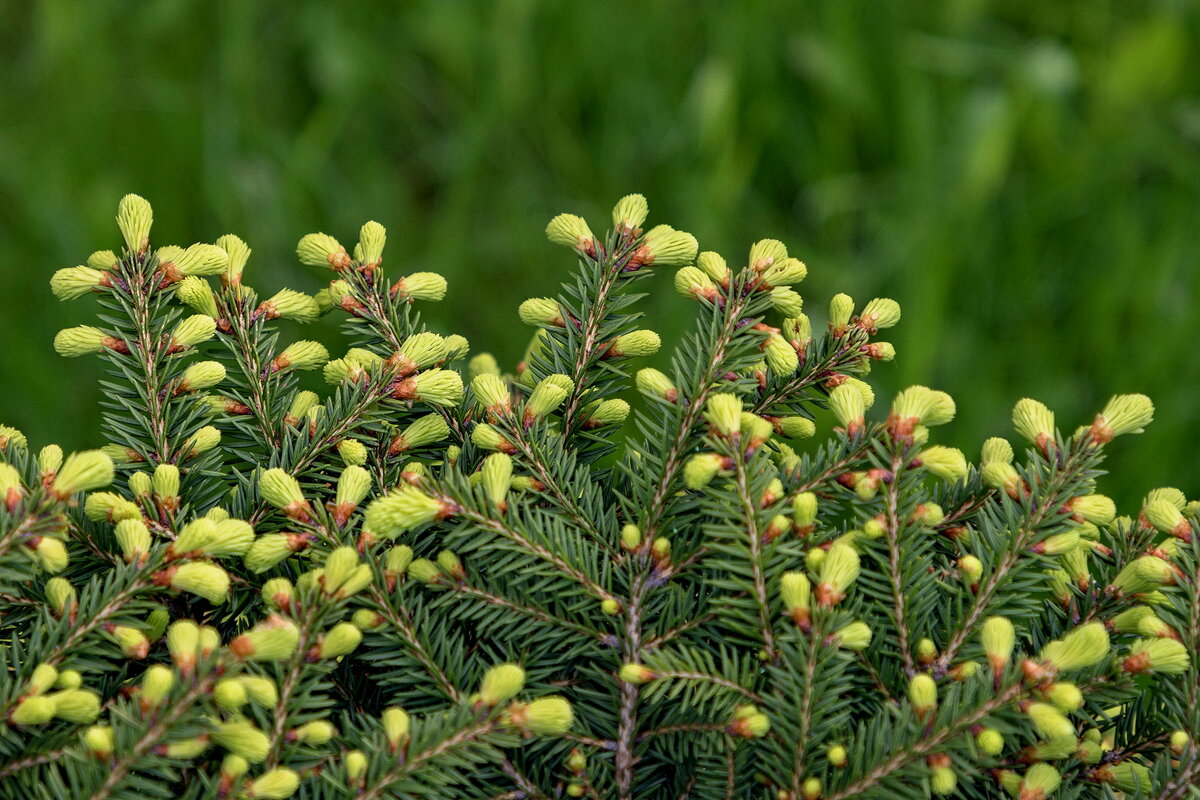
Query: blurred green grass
x=1022, y=176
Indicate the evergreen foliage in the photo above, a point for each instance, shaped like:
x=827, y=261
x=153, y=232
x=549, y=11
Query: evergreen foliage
x=436, y=580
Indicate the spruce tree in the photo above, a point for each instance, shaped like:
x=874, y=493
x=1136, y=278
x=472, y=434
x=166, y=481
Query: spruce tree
x=584, y=577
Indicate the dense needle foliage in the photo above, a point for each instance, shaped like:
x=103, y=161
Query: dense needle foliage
x=440, y=580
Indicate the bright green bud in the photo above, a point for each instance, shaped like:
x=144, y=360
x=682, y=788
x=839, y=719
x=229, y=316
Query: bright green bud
x=269, y=549
x=497, y=478
x=546, y=716
x=855, y=636
x=700, y=470
x=488, y=437
x=290, y=304
x=635, y=344
x=990, y=741
x=450, y=563
x=796, y=427
x=132, y=642
x=922, y=692
x=355, y=764
x=942, y=780
x=1130, y=620
x=1163, y=656
x=322, y=250
x=237, y=254
x=947, y=463
x=1034, y=421
x=1065, y=696
x=787, y=301
x=103, y=259
x=111, y=507
x=631, y=536
x=397, y=560
x=766, y=252
x=69, y=679
x=879, y=313
x=637, y=674
x=630, y=212
x=352, y=487
x=187, y=748
x=196, y=294
x=201, y=375
x=569, y=230
x=281, y=489
x=274, y=639
x=784, y=272
x=548, y=395
x=314, y=733
x=242, y=739
x=656, y=384
x=51, y=554
x=423, y=432
x=1129, y=777
x=395, y=726
x=663, y=246
x=998, y=638
x=199, y=260
x=998, y=450
x=74, y=282
x=926, y=406
x=202, y=578
x=483, y=364
x=1179, y=741
x=693, y=282
x=1094, y=508
x=1125, y=413
x=420, y=286
x=839, y=569
x=82, y=340
x=261, y=691
x=492, y=392
x=183, y=643
x=42, y=679
x=607, y=412
x=880, y=351
x=99, y=740
x=541, y=312
x=33, y=710
x=438, y=387
x=780, y=355
x=76, y=705
x=714, y=266
x=1082, y=647
x=501, y=683
x=352, y=451
x=724, y=414
x=402, y=510
x=420, y=350
x=157, y=682
x=165, y=483
x=303, y=355
x=11, y=488
x=134, y=218
x=340, y=640
x=1143, y=575
x=1040, y=781
x=371, y=239
x=848, y=407
x=1168, y=494
x=365, y=619
x=798, y=329
x=796, y=592
x=804, y=509
x=1165, y=516
x=841, y=308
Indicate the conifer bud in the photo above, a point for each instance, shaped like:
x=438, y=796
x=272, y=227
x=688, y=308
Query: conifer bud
x=1124, y=413
x=781, y=357
x=157, y=682
x=547, y=396
x=787, y=302
x=879, y=313
x=654, y=383
x=165, y=482
x=276, y=784
x=990, y=741
x=947, y=463
x=569, y=230
x=51, y=554
x=437, y=387
x=663, y=246
x=841, y=308
x=501, y=683
x=1163, y=656
x=631, y=537
x=99, y=740
x=282, y=490
x=322, y=250
x=724, y=414
x=854, y=636
x=1082, y=647
x=880, y=351
x=32, y=710
x=133, y=642
x=134, y=218
x=202, y=578
x=192, y=331
x=201, y=375
x=1035, y=422
x=425, y=431
x=848, y=407
x=290, y=304
x=313, y=734
x=811, y=788
x=1094, y=508
x=395, y=726
x=497, y=478
x=259, y=690
x=230, y=694
x=103, y=259
x=352, y=487
x=371, y=239
x=629, y=213
x=922, y=693
x=541, y=312
x=700, y=470
x=796, y=591
x=613, y=411
x=110, y=507
x=339, y=565
x=1065, y=696
x=635, y=345
x=428, y=286
x=795, y=427
x=269, y=549
x=839, y=569
x=492, y=393
x=1142, y=575
x=1179, y=741
x=692, y=282
x=74, y=282
x=998, y=638
x=1166, y=517
x=352, y=451
x=61, y=596
x=425, y=571
x=403, y=509
x=919, y=406
x=273, y=639
x=355, y=764
x=804, y=511
x=340, y=640
x=83, y=340
x=546, y=716
x=942, y=779
x=196, y=294
x=302, y=355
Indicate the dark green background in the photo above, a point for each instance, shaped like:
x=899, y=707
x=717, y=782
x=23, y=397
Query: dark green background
x=1022, y=176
